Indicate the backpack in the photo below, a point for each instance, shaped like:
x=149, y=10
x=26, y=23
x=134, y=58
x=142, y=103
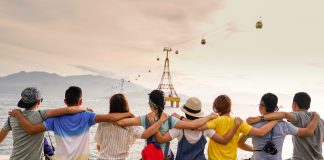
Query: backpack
x=153, y=149
x=48, y=148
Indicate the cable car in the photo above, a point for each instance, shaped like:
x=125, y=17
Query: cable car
x=158, y=59
x=176, y=52
x=203, y=41
x=258, y=25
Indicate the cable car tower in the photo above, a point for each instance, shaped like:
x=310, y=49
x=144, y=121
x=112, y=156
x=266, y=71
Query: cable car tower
x=166, y=83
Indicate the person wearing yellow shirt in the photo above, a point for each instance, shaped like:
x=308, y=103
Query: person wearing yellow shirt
x=222, y=105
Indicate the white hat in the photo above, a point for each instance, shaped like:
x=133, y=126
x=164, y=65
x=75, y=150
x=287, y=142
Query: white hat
x=193, y=107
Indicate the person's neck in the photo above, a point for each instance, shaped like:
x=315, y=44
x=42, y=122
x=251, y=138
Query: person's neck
x=302, y=110
x=226, y=114
x=32, y=108
x=73, y=105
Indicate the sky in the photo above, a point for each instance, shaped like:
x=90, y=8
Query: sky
x=122, y=39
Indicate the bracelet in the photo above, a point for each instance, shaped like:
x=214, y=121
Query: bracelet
x=182, y=117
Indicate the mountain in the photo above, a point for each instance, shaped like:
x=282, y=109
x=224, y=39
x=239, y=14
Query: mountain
x=52, y=84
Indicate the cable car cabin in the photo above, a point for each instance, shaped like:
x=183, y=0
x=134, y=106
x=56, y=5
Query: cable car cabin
x=176, y=52
x=258, y=25
x=172, y=100
x=203, y=41
x=158, y=59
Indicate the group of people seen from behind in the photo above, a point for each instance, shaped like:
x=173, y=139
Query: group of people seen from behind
x=119, y=128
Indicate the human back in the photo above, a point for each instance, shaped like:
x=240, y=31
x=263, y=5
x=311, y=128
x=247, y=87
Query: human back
x=222, y=125
x=278, y=133
x=307, y=147
x=26, y=146
x=71, y=134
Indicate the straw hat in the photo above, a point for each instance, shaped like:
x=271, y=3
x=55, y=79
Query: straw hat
x=193, y=107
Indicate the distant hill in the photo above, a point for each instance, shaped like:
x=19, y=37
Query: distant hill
x=51, y=84
x=55, y=85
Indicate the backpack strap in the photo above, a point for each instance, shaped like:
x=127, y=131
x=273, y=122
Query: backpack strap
x=9, y=122
x=167, y=145
x=147, y=125
x=47, y=131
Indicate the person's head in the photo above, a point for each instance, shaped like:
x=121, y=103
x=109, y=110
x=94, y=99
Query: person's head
x=268, y=103
x=73, y=96
x=222, y=105
x=157, y=102
x=118, y=104
x=192, y=108
x=30, y=98
x=301, y=101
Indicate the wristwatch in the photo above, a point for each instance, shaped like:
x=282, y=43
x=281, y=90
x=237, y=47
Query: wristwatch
x=262, y=118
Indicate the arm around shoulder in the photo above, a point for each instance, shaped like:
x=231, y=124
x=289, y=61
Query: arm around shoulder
x=29, y=127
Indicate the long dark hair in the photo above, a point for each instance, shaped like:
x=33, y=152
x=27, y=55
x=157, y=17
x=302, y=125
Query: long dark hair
x=118, y=104
x=157, y=101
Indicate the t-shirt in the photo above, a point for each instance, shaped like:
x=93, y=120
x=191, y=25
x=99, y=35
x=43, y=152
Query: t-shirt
x=191, y=135
x=222, y=125
x=163, y=129
x=115, y=141
x=279, y=132
x=307, y=147
x=26, y=146
x=71, y=135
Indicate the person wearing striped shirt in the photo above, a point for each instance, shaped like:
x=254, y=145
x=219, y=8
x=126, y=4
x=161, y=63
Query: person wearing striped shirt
x=113, y=141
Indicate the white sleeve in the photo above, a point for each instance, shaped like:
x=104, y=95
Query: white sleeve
x=138, y=131
x=209, y=133
x=175, y=133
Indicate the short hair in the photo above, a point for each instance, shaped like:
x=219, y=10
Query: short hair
x=270, y=101
x=118, y=104
x=73, y=95
x=303, y=100
x=222, y=104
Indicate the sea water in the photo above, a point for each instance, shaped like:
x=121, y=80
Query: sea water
x=138, y=107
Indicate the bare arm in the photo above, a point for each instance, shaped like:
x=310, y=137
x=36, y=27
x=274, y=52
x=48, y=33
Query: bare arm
x=243, y=145
x=260, y=132
x=195, y=123
x=162, y=138
x=129, y=122
x=154, y=128
x=98, y=147
x=272, y=116
x=3, y=134
x=309, y=130
x=63, y=111
x=29, y=127
x=112, y=117
x=228, y=136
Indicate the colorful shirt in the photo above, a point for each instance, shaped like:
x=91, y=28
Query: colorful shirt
x=222, y=125
x=115, y=141
x=71, y=135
